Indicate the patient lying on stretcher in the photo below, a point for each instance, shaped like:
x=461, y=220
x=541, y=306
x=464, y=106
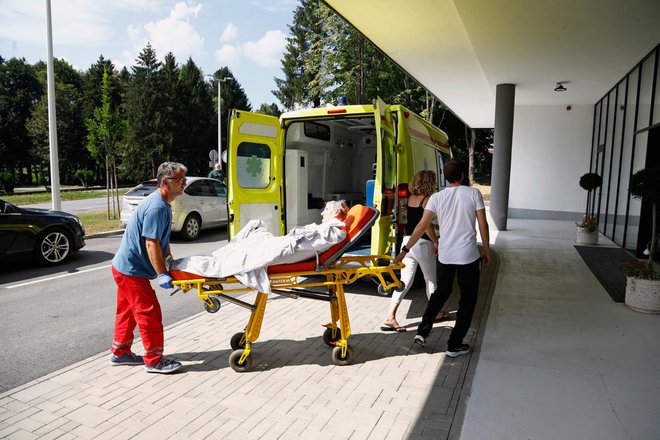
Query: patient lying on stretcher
x=248, y=255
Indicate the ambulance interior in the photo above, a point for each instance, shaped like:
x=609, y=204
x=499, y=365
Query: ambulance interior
x=328, y=160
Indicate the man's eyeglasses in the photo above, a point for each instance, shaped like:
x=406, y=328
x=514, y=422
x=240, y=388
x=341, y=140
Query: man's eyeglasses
x=178, y=179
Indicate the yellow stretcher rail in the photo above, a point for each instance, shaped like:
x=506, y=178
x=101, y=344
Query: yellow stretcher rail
x=346, y=270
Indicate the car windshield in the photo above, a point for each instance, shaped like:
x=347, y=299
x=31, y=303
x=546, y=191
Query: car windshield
x=143, y=189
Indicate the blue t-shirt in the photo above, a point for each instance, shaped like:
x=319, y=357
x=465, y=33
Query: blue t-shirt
x=152, y=219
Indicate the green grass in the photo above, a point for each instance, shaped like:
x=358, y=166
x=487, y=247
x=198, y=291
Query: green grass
x=95, y=222
x=44, y=197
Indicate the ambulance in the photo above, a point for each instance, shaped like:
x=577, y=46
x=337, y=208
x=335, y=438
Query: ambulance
x=283, y=170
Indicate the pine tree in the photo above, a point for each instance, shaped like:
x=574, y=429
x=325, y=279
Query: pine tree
x=194, y=127
x=304, y=78
x=142, y=152
x=233, y=97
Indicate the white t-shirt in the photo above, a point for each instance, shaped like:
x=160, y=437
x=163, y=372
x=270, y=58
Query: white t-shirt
x=456, y=208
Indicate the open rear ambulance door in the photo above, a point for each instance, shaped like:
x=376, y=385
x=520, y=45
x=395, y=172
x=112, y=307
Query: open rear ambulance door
x=254, y=171
x=385, y=185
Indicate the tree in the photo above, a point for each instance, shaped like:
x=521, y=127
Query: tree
x=195, y=132
x=233, y=97
x=92, y=81
x=70, y=125
x=303, y=81
x=20, y=90
x=143, y=148
x=170, y=106
x=270, y=109
x=104, y=133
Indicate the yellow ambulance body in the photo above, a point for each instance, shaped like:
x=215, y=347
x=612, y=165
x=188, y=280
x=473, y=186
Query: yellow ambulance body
x=282, y=170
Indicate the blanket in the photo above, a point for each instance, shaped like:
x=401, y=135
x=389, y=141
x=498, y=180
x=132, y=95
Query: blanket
x=248, y=255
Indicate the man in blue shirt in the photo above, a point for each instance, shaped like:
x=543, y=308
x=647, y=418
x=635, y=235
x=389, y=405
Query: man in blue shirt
x=142, y=256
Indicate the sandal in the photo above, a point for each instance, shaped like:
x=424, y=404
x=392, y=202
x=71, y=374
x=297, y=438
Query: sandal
x=391, y=328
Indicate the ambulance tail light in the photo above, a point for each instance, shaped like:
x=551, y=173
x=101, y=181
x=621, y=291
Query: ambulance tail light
x=387, y=205
x=402, y=207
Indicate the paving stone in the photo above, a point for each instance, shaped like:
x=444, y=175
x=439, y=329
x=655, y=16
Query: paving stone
x=294, y=391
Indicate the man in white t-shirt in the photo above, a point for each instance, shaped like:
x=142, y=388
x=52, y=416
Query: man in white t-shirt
x=457, y=207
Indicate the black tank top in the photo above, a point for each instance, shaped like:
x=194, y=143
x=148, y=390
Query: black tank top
x=414, y=217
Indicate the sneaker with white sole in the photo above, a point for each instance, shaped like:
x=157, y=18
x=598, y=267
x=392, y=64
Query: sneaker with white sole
x=126, y=359
x=419, y=340
x=458, y=351
x=164, y=366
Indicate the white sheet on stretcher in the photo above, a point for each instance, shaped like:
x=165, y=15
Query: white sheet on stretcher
x=248, y=255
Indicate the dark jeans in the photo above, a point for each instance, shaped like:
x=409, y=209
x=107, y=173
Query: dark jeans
x=468, y=282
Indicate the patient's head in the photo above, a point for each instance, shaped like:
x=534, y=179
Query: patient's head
x=334, y=209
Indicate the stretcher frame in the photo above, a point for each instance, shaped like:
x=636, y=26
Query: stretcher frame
x=296, y=285
x=336, y=272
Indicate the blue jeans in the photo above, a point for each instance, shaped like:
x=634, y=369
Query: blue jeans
x=468, y=282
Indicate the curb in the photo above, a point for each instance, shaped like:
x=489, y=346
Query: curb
x=104, y=234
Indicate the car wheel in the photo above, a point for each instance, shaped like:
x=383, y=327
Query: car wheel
x=53, y=246
x=191, y=227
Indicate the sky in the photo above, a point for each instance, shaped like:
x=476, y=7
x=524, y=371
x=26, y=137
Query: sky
x=248, y=36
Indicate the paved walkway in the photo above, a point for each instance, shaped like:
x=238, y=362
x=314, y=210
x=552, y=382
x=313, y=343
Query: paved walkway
x=555, y=359
x=392, y=390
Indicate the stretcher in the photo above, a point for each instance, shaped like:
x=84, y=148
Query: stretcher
x=330, y=271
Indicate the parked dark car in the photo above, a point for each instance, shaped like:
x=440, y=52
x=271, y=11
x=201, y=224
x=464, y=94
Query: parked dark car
x=49, y=236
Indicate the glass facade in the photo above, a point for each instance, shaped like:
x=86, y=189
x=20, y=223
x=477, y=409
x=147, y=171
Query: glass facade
x=626, y=138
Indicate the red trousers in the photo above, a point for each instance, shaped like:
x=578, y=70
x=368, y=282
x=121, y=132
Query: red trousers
x=137, y=304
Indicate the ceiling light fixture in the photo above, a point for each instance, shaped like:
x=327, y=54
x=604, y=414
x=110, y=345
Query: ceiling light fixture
x=560, y=87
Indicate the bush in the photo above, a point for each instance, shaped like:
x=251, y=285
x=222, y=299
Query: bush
x=86, y=177
x=7, y=181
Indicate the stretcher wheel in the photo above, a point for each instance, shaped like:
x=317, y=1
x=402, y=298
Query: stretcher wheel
x=337, y=359
x=383, y=291
x=215, y=307
x=237, y=341
x=328, y=339
x=235, y=357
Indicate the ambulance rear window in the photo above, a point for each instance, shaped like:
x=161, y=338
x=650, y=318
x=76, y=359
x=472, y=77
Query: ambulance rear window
x=253, y=165
x=317, y=131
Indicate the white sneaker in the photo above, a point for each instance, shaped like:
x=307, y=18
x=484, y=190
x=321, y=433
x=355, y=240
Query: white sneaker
x=419, y=340
x=458, y=351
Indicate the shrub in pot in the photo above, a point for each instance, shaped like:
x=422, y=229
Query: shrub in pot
x=643, y=282
x=587, y=232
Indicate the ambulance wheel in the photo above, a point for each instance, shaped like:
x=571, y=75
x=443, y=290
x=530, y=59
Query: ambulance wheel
x=337, y=359
x=234, y=359
x=328, y=339
x=215, y=307
x=237, y=341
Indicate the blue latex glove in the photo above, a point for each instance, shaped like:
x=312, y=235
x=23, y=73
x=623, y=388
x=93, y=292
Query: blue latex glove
x=165, y=281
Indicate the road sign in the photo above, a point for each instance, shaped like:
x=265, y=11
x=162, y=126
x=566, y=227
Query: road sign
x=213, y=158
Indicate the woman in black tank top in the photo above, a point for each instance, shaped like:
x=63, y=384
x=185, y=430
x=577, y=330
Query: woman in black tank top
x=422, y=186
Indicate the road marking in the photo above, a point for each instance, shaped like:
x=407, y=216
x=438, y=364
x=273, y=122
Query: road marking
x=57, y=276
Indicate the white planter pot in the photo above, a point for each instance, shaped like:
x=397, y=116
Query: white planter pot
x=643, y=295
x=586, y=237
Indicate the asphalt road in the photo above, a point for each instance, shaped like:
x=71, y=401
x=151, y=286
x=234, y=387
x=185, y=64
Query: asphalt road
x=73, y=206
x=55, y=317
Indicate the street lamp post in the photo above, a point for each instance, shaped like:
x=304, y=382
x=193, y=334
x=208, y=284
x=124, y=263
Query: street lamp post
x=220, y=81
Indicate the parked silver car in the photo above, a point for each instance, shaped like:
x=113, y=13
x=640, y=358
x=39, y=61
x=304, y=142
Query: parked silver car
x=202, y=205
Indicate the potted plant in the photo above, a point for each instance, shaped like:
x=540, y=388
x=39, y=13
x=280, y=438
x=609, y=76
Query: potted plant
x=642, y=281
x=587, y=229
